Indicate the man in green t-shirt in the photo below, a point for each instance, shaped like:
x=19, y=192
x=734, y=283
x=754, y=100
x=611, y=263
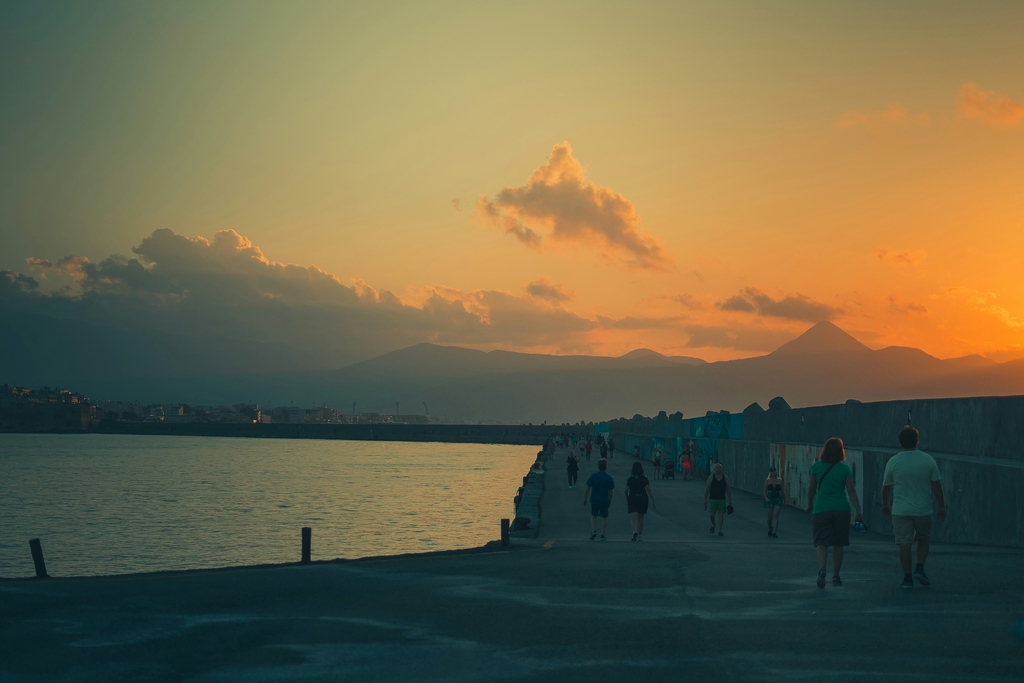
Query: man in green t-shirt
x=910, y=482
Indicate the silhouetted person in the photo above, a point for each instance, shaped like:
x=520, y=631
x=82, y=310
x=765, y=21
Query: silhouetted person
x=829, y=494
x=638, y=494
x=715, y=493
x=773, y=500
x=611, y=448
x=572, y=464
x=910, y=482
x=603, y=486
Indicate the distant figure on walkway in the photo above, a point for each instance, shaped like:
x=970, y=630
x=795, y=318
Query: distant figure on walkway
x=572, y=464
x=604, y=449
x=657, y=463
x=603, y=486
x=910, y=481
x=589, y=447
x=636, y=451
x=715, y=492
x=638, y=491
x=611, y=448
x=773, y=500
x=827, y=495
x=688, y=461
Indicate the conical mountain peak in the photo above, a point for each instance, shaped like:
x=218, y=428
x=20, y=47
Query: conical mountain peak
x=824, y=337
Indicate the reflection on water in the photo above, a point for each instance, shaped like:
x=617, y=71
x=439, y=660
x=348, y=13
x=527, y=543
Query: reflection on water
x=109, y=504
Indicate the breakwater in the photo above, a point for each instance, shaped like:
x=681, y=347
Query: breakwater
x=978, y=444
x=451, y=433
x=527, y=501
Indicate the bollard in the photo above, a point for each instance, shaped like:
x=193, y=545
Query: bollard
x=504, y=532
x=307, y=543
x=37, y=557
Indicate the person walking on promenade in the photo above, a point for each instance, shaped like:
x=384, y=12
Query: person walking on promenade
x=611, y=448
x=604, y=449
x=656, y=459
x=910, y=481
x=589, y=447
x=717, y=490
x=636, y=451
x=603, y=486
x=638, y=492
x=572, y=464
x=688, y=461
x=773, y=500
x=830, y=493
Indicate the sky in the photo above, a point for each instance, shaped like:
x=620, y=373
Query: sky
x=703, y=179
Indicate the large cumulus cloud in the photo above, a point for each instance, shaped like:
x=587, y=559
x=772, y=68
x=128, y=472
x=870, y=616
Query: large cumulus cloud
x=227, y=288
x=558, y=200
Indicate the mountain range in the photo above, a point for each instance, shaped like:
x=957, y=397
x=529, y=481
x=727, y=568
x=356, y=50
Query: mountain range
x=823, y=365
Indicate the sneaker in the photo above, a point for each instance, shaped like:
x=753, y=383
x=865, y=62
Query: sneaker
x=593, y=536
x=720, y=533
x=907, y=582
x=821, y=578
x=603, y=538
x=922, y=578
x=836, y=581
x=639, y=538
x=634, y=536
x=712, y=530
x=769, y=532
x=774, y=535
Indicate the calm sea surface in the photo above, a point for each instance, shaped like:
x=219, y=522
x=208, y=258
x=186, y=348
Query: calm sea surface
x=110, y=504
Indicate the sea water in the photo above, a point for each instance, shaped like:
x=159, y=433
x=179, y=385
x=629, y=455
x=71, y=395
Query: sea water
x=112, y=504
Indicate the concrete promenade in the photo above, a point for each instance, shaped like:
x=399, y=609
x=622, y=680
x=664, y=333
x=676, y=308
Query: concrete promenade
x=683, y=605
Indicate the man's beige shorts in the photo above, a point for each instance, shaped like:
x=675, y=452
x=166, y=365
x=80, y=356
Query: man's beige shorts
x=908, y=529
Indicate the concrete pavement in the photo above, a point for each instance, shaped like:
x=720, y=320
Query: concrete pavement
x=681, y=605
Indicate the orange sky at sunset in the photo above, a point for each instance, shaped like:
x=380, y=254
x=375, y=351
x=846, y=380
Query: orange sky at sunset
x=705, y=179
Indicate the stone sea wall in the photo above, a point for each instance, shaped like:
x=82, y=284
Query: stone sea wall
x=978, y=444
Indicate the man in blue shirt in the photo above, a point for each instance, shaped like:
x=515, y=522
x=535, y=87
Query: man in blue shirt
x=603, y=486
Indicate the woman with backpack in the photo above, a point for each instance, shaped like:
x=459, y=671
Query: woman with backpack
x=830, y=493
x=638, y=492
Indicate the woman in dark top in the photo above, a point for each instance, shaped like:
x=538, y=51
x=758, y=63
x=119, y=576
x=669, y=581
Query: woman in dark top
x=638, y=491
x=572, y=465
x=773, y=501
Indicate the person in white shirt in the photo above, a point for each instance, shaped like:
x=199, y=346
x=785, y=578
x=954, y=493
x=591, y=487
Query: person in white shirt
x=910, y=482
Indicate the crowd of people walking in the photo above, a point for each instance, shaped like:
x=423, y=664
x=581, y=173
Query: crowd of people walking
x=910, y=484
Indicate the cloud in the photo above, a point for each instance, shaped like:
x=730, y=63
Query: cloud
x=16, y=283
x=300, y=316
x=736, y=337
x=989, y=107
x=894, y=114
x=689, y=301
x=560, y=201
x=550, y=291
x=909, y=307
x=640, y=322
x=900, y=259
x=796, y=307
x=985, y=302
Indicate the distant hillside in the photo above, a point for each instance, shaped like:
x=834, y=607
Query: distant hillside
x=823, y=365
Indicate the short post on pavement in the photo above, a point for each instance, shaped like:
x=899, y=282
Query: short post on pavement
x=37, y=558
x=307, y=543
x=504, y=532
